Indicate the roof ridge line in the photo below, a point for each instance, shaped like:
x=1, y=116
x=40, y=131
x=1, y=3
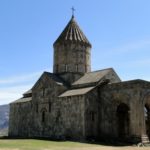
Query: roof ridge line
x=100, y=70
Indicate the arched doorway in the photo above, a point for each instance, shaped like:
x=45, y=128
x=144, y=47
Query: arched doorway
x=147, y=119
x=123, y=120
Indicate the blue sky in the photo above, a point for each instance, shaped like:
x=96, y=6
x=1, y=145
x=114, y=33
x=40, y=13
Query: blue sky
x=119, y=31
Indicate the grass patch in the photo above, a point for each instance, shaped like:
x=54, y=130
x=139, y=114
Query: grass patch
x=22, y=144
x=30, y=144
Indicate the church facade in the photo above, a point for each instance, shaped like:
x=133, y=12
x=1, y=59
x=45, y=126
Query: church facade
x=76, y=104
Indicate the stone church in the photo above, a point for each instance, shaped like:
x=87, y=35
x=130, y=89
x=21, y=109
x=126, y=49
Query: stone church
x=75, y=103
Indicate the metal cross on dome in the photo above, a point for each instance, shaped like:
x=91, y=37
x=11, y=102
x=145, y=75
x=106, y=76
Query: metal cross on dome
x=73, y=10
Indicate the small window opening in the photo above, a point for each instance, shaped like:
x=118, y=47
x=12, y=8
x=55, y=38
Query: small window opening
x=43, y=92
x=37, y=108
x=43, y=116
x=50, y=105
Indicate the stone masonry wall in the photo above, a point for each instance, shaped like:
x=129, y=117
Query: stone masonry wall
x=111, y=96
x=20, y=117
x=72, y=117
x=74, y=58
x=92, y=115
x=45, y=101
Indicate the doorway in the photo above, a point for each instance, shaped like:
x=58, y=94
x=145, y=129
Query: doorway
x=123, y=120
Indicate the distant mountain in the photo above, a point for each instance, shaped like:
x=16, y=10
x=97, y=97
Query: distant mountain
x=4, y=119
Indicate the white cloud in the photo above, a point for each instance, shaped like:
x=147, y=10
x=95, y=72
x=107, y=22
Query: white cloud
x=10, y=94
x=12, y=88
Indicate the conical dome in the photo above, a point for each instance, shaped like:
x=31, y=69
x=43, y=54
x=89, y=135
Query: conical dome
x=72, y=33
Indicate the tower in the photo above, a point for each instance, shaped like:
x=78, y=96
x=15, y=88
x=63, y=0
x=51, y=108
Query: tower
x=72, y=53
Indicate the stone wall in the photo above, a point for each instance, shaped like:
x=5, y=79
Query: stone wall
x=46, y=114
x=75, y=58
x=112, y=76
x=92, y=107
x=64, y=117
x=20, y=119
x=70, y=77
x=72, y=113
x=93, y=115
x=129, y=93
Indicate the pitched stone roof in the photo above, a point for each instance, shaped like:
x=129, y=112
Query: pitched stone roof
x=139, y=82
x=27, y=96
x=28, y=92
x=23, y=100
x=72, y=33
x=56, y=78
x=75, y=92
x=92, y=77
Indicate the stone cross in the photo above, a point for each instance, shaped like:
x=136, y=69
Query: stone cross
x=73, y=10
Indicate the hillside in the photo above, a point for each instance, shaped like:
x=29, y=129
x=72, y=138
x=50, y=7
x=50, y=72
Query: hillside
x=4, y=118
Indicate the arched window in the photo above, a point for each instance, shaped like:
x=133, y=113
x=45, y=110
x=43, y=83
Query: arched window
x=50, y=105
x=43, y=113
x=43, y=116
x=43, y=92
x=37, y=110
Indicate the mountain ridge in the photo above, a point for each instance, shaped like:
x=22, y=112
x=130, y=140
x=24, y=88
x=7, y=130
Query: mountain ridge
x=4, y=119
